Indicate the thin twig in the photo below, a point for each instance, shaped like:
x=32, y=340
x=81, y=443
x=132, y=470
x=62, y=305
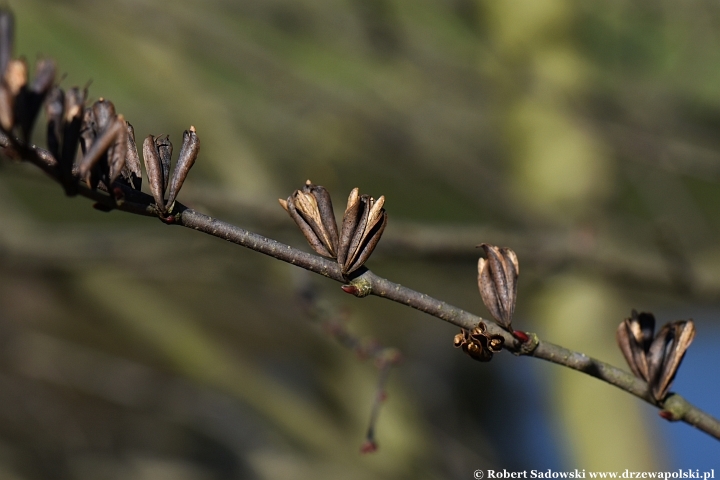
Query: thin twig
x=367, y=283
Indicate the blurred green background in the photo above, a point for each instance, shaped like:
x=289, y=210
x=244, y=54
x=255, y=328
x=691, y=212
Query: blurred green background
x=584, y=135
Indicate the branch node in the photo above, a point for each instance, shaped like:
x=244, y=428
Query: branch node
x=360, y=287
x=674, y=408
x=528, y=346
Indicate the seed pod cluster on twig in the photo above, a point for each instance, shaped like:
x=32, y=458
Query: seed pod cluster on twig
x=157, y=154
x=363, y=223
x=20, y=102
x=478, y=343
x=64, y=112
x=109, y=153
x=497, y=282
x=104, y=143
x=655, y=360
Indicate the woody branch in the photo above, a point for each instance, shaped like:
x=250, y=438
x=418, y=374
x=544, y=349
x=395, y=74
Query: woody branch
x=109, y=174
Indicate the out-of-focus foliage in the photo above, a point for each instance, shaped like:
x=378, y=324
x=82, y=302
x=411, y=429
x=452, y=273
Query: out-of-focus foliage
x=582, y=135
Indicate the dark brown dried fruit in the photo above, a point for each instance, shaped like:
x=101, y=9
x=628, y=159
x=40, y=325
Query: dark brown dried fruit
x=655, y=360
x=72, y=116
x=19, y=101
x=666, y=354
x=477, y=343
x=157, y=153
x=186, y=159
x=29, y=102
x=154, y=170
x=7, y=37
x=634, y=336
x=132, y=171
x=497, y=277
x=497, y=281
x=312, y=211
x=103, y=138
x=14, y=78
x=363, y=224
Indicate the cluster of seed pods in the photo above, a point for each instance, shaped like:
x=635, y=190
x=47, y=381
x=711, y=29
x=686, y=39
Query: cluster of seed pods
x=107, y=141
x=655, y=359
x=20, y=98
x=363, y=223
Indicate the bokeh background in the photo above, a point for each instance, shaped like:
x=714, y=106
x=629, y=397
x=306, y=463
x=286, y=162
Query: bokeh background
x=584, y=135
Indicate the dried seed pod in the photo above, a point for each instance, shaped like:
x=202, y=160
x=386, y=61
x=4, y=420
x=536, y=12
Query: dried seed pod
x=497, y=282
x=72, y=121
x=19, y=103
x=7, y=37
x=157, y=154
x=164, y=149
x=88, y=130
x=118, y=151
x=29, y=102
x=351, y=218
x=54, y=113
x=7, y=107
x=478, y=343
x=131, y=172
x=12, y=83
x=312, y=210
x=154, y=170
x=327, y=216
x=478, y=350
x=16, y=75
x=363, y=224
x=103, y=143
x=103, y=113
x=666, y=353
x=45, y=69
x=634, y=336
x=493, y=343
x=654, y=360
x=186, y=159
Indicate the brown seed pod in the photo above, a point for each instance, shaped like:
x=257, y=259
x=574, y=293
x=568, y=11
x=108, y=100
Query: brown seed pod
x=154, y=170
x=132, y=171
x=497, y=282
x=164, y=148
x=103, y=139
x=655, y=360
x=101, y=148
x=45, y=69
x=7, y=107
x=54, y=107
x=118, y=151
x=186, y=159
x=31, y=99
x=13, y=80
x=103, y=113
x=312, y=211
x=478, y=343
x=326, y=214
x=157, y=154
x=7, y=37
x=666, y=353
x=88, y=130
x=634, y=336
x=363, y=224
x=72, y=121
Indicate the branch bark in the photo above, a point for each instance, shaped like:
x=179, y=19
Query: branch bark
x=674, y=407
